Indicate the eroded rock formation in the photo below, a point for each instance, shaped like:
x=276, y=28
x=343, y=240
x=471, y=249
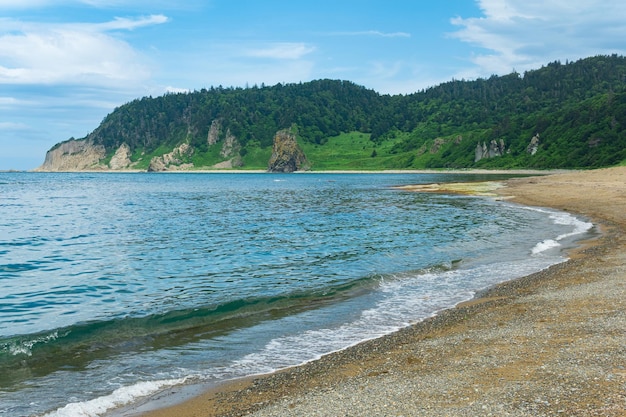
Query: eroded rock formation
x=121, y=158
x=173, y=161
x=533, y=146
x=74, y=155
x=495, y=149
x=214, y=132
x=287, y=156
x=231, y=146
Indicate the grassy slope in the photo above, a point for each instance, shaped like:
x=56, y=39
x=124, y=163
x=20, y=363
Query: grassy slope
x=350, y=151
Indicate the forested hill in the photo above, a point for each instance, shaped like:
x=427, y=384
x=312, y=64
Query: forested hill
x=570, y=115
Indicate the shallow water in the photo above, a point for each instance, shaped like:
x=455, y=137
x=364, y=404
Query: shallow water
x=129, y=283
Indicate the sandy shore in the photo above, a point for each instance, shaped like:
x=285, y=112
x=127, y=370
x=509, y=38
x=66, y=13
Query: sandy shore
x=553, y=343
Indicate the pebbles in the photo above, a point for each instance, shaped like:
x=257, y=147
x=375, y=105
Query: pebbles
x=555, y=351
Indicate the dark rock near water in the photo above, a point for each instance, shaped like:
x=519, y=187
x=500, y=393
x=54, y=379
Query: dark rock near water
x=287, y=156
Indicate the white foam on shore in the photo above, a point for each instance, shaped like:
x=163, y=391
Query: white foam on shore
x=564, y=219
x=118, y=398
x=403, y=300
x=545, y=245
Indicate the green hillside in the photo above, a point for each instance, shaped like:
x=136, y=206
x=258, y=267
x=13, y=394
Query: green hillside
x=576, y=111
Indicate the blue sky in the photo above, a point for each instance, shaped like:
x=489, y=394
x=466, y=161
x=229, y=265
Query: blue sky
x=66, y=64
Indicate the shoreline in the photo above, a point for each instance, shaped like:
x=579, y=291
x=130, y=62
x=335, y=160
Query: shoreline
x=261, y=171
x=518, y=348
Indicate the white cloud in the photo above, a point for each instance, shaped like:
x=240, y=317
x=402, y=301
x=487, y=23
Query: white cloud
x=526, y=34
x=70, y=53
x=120, y=23
x=282, y=50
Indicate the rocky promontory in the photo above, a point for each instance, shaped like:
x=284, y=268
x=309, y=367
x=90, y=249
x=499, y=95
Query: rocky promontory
x=287, y=156
x=74, y=155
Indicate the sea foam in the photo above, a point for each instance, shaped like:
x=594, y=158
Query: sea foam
x=118, y=398
x=561, y=218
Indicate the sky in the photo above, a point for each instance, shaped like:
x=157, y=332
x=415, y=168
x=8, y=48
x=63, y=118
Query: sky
x=66, y=64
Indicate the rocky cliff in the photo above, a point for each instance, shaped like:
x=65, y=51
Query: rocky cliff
x=495, y=148
x=173, y=161
x=287, y=156
x=84, y=155
x=74, y=155
x=121, y=158
x=533, y=146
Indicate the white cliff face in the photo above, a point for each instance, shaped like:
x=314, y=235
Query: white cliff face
x=74, y=155
x=121, y=159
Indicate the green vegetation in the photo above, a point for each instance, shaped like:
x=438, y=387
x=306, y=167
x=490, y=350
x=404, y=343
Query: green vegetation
x=346, y=151
x=577, y=109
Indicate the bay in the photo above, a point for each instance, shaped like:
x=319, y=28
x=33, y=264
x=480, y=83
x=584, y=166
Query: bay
x=114, y=286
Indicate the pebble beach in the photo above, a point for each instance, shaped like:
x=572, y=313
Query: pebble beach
x=549, y=344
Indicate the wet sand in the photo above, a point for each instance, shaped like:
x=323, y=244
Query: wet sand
x=552, y=343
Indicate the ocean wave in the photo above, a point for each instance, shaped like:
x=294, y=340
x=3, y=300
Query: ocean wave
x=545, y=245
x=402, y=299
x=17, y=347
x=118, y=398
x=77, y=345
x=578, y=227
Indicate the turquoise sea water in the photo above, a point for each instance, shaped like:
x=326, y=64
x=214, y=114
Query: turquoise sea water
x=116, y=286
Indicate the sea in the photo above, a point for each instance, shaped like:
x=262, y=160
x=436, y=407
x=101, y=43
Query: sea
x=117, y=287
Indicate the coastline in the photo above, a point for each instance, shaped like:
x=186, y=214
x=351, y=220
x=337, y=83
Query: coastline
x=261, y=171
x=551, y=343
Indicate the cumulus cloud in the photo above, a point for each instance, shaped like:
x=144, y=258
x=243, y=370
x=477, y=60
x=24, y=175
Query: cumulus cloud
x=70, y=53
x=525, y=34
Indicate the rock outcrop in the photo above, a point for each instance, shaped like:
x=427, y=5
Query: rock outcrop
x=287, y=156
x=231, y=146
x=214, y=132
x=74, y=155
x=495, y=149
x=173, y=161
x=121, y=158
x=533, y=146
